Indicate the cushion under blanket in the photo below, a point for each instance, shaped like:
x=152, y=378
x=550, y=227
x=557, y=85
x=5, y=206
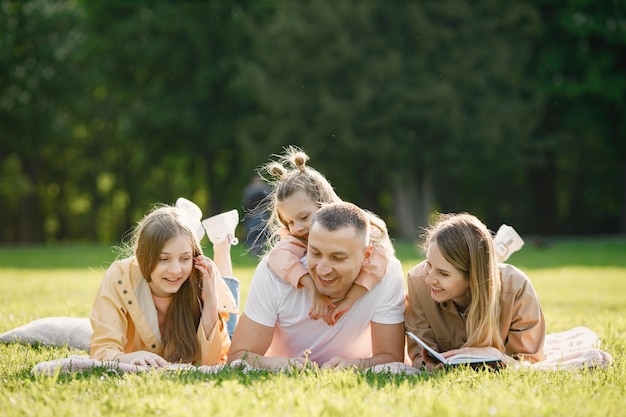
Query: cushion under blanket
x=73, y=332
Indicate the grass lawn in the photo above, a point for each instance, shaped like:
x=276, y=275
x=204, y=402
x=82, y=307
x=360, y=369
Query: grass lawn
x=581, y=282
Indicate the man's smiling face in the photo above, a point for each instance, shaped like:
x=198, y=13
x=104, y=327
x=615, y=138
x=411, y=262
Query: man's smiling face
x=335, y=259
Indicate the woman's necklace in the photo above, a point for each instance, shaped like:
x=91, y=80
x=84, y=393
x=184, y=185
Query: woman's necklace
x=462, y=312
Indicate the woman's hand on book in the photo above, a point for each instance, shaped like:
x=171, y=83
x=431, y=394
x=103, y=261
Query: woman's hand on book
x=430, y=363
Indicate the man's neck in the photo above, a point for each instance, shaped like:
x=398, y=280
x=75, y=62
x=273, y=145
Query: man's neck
x=336, y=300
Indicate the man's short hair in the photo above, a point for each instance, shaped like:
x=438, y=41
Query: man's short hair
x=335, y=216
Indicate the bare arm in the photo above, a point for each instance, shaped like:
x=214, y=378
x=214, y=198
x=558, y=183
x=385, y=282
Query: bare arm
x=387, y=346
x=250, y=342
x=222, y=258
x=387, y=343
x=415, y=318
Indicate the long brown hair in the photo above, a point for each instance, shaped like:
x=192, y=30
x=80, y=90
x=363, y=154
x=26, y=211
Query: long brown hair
x=466, y=243
x=180, y=343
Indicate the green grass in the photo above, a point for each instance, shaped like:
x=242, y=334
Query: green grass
x=579, y=281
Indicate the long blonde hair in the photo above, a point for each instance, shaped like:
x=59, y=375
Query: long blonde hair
x=466, y=243
x=183, y=316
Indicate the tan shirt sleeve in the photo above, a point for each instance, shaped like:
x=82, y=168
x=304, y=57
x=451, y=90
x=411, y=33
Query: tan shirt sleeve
x=523, y=326
x=284, y=259
x=415, y=319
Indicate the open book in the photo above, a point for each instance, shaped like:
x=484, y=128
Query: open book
x=474, y=361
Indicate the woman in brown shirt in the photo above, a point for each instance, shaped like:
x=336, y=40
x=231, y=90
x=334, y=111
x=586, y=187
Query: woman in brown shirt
x=460, y=300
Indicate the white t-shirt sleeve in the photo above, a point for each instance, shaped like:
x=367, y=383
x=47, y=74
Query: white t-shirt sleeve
x=390, y=297
x=261, y=304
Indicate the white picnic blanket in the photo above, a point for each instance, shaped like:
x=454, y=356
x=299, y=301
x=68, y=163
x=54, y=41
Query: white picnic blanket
x=77, y=363
x=573, y=349
x=576, y=348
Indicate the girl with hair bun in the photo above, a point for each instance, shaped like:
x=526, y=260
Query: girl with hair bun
x=298, y=193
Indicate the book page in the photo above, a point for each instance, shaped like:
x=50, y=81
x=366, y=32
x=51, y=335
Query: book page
x=430, y=350
x=459, y=359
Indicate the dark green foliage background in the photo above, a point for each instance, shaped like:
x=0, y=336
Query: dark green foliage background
x=514, y=111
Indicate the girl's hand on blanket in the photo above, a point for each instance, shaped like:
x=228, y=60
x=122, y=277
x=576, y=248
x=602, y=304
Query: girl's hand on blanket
x=144, y=359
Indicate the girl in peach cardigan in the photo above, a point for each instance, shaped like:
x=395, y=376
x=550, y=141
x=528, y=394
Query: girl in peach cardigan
x=165, y=304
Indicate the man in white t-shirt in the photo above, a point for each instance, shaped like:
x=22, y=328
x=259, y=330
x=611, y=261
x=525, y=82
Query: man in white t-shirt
x=275, y=330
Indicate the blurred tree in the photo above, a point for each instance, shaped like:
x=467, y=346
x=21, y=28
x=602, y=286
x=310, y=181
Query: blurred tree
x=164, y=87
x=579, y=180
x=110, y=106
x=397, y=101
x=512, y=111
x=37, y=40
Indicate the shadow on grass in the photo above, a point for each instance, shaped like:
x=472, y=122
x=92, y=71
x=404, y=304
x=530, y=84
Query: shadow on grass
x=245, y=378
